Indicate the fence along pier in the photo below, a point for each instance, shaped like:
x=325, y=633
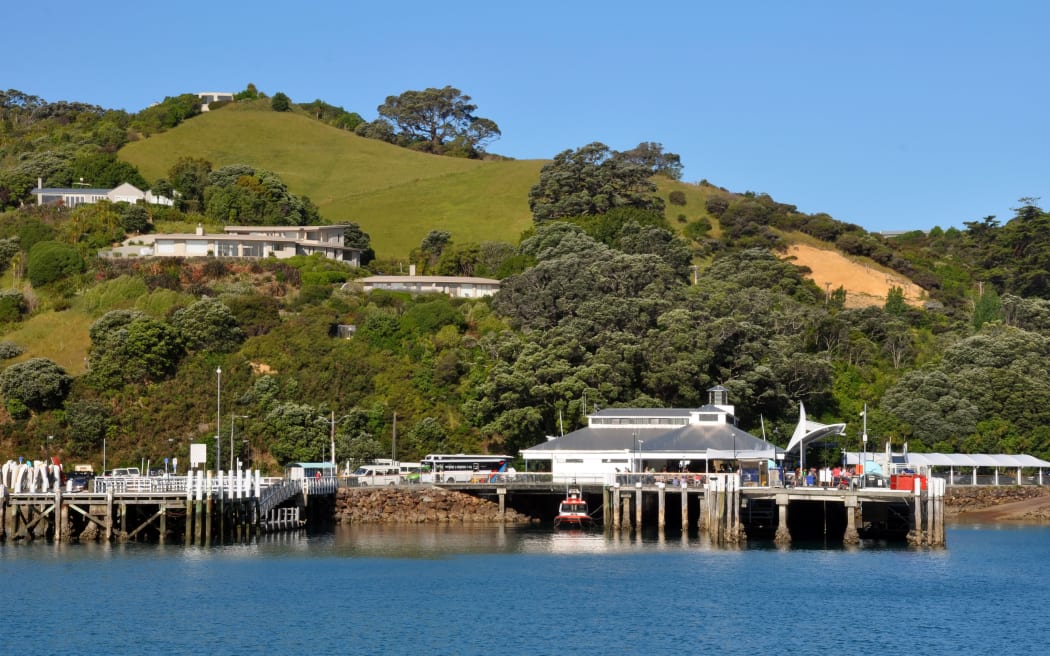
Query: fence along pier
x=201, y=508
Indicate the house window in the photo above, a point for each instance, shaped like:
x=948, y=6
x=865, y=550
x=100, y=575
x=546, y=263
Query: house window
x=252, y=250
x=196, y=247
x=227, y=249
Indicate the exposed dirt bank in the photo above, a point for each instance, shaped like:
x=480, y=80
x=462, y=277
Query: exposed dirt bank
x=865, y=284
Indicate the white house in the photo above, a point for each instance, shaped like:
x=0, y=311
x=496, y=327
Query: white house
x=74, y=196
x=456, y=286
x=247, y=241
x=619, y=440
x=208, y=97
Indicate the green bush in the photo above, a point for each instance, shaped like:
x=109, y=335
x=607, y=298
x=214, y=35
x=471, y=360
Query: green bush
x=12, y=305
x=677, y=197
x=10, y=350
x=51, y=260
x=697, y=230
x=38, y=383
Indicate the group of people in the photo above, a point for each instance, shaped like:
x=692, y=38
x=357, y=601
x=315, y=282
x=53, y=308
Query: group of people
x=836, y=476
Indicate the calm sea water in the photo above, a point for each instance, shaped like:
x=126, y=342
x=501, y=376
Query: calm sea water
x=382, y=590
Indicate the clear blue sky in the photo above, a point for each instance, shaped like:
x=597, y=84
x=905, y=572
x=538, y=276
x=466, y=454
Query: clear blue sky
x=891, y=115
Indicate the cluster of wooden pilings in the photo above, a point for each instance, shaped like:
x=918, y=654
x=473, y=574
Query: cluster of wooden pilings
x=618, y=501
x=722, y=500
x=720, y=510
x=928, y=526
x=719, y=499
x=223, y=513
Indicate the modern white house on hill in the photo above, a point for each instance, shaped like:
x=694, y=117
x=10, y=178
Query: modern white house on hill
x=246, y=241
x=74, y=196
x=621, y=440
x=455, y=286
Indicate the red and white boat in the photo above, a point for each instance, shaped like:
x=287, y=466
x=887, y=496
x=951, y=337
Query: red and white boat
x=572, y=512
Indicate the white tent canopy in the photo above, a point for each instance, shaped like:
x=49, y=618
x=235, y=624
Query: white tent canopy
x=811, y=432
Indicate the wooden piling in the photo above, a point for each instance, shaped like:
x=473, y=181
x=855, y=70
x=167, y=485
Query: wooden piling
x=685, y=509
x=851, y=537
x=616, y=507
x=208, y=508
x=625, y=522
x=783, y=534
x=3, y=512
x=660, y=518
x=198, y=510
x=638, y=507
x=109, y=515
x=917, y=536
x=56, y=515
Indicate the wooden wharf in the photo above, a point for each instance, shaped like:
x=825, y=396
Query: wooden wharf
x=728, y=512
x=201, y=508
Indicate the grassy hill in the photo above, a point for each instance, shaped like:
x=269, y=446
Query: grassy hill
x=396, y=195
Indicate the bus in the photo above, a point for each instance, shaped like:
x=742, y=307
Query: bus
x=464, y=468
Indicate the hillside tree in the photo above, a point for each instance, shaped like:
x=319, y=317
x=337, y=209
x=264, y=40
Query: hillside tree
x=591, y=180
x=435, y=118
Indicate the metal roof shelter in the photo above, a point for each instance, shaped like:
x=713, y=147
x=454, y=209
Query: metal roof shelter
x=954, y=461
x=975, y=460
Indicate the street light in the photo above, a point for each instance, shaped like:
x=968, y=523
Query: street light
x=332, y=422
x=864, y=458
x=218, y=418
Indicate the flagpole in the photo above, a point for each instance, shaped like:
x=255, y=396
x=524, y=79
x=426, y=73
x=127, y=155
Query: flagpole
x=864, y=458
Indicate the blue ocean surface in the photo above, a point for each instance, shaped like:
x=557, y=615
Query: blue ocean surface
x=455, y=590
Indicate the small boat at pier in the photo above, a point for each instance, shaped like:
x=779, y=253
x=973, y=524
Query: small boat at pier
x=572, y=512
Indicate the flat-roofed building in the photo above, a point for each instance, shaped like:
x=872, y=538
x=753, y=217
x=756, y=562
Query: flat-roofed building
x=246, y=241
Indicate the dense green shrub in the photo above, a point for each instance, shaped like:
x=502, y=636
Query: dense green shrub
x=677, y=197
x=51, y=260
x=12, y=305
x=10, y=350
x=38, y=383
x=208, y=325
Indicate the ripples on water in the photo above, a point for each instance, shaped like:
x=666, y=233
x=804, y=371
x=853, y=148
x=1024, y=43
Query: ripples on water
x=525, y=591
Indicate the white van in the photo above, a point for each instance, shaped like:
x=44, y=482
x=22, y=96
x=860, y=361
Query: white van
x=377, y=475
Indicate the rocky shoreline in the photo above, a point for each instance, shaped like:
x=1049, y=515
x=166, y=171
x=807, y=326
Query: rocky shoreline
x=418, y=505
x=1004, y=503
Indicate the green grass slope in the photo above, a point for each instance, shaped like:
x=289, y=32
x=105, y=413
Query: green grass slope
x=395, y=194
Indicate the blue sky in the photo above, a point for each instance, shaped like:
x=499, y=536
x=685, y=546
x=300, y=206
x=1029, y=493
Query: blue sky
x=891, y=115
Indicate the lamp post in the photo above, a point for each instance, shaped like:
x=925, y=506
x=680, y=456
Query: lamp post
x=864, y=457
x=332, y=422
x=218, y=418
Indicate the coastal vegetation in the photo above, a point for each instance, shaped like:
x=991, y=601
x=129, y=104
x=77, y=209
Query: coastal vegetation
x=622, y=286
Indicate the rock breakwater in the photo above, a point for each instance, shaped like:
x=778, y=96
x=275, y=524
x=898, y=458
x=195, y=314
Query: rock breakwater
x=1003, y=503
x=418, y=505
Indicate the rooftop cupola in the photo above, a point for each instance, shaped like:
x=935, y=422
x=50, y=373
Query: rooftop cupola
x=718, y=396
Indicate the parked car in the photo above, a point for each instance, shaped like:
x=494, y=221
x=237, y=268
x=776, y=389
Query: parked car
x=80, y=482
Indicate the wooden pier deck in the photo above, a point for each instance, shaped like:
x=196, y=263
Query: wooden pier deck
x=720, y=506
x=202, y=508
